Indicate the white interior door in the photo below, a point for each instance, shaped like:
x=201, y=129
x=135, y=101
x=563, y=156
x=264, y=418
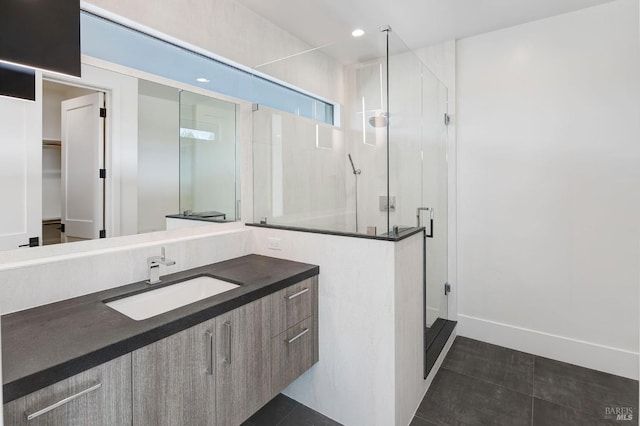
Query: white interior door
x=20, y=170
x=82, y=159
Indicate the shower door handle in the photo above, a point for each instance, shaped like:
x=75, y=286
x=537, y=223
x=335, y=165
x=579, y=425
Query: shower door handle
x=430, y=210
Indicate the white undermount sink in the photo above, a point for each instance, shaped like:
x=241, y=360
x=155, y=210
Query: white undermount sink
x=164, y=299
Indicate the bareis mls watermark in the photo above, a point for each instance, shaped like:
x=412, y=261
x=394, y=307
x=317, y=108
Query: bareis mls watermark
x=618, y=413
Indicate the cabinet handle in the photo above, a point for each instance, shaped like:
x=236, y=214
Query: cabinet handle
x=62, y=402
x=297, y=336
x=209, y=336
x=300, y=293
x=227, y=358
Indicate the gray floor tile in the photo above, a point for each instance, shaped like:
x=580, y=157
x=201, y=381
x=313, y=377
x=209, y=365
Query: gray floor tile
x=304, y=416
x=491, y=363
x=549, y=414
x=273, y=413
x=456, y=399
x=417, y=421
x=583, y=389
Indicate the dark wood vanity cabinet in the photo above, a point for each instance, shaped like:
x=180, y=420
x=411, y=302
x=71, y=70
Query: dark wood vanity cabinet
x=294, y=327
x=243, y=365
x=100, y=396
x=218, y=372
x=174, y=379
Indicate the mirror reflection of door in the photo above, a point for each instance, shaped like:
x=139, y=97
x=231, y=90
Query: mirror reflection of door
x=72, y=188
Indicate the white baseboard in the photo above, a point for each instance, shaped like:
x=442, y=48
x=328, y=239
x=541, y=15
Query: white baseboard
x=578, y=352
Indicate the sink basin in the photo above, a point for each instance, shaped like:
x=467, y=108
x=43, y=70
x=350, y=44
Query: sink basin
x=155, y=302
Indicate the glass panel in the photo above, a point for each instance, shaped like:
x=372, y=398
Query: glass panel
x=434, y=192
x=207, y=156
x=299, y=171
x=418, y=163
x=320, y=176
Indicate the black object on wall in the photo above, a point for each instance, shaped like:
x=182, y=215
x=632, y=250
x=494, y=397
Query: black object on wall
x=17, y=82
x=41, y=34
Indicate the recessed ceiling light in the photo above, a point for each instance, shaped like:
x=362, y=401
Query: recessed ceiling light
x=357, y=32
x=203, y=80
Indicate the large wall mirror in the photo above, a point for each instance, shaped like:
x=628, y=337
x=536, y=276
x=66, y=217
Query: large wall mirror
x=120, y=153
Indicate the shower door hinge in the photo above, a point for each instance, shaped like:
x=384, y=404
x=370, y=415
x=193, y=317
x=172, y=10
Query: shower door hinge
x=103, y=113
x=447, y=119
x=103, y=233
x=447, y=289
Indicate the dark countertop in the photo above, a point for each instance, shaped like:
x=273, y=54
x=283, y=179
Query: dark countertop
x=46, y=344
x=215, y=217
x=404, y=232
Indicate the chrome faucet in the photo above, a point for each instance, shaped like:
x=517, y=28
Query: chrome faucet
x=153, y=264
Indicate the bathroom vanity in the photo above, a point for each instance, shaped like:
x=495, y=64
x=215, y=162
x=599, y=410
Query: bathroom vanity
x=212, y=362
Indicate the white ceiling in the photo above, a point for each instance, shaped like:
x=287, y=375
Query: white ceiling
x=418, y=23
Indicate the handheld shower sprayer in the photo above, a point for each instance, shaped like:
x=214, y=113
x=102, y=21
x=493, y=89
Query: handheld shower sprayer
x=355, y=171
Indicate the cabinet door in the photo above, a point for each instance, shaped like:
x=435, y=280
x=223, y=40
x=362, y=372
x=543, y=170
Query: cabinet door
x=293, y=353
x=173, y=381
x=99, y=396
x=293, y=304
x=243, y=372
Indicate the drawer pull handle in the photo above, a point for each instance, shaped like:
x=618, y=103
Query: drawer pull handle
x=62, y=402
x=227, y=357
x=209, y=337
x=297, y=336
x=300, y=293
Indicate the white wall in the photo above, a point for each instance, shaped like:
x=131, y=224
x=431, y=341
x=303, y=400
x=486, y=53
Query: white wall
x=410, y=386
x=48, y=274
x=353, y=383
x=548, y=185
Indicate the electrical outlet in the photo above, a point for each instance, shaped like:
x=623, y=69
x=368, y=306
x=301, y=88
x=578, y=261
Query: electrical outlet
x=274, y=244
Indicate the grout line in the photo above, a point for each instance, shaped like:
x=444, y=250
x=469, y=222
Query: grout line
x=533, y=401
x=289, y=413
x=533, y=377
x=533, y=381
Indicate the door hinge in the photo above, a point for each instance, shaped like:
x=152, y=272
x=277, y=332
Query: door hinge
x=103, y=173
x=447, y=289
x=447, y=119
x=255, y=107
x=103, y=233
x=33, y=242
x=103, y=113
x=62, y=227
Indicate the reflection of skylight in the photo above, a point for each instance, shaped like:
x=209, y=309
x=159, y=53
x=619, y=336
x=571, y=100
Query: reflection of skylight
x=197, y=134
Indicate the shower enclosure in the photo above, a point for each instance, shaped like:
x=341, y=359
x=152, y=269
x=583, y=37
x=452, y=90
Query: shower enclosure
x=377, y=165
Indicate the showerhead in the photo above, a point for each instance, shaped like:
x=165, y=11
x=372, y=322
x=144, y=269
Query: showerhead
x=379, y=120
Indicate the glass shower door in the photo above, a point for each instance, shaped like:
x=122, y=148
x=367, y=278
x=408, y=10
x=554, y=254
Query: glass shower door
x=434, y=196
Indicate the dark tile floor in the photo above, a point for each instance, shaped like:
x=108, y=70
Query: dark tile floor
x=484, y=384
x=284, y=411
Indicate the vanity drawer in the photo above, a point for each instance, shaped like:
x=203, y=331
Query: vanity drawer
x=99, y=396
x=292, y=353
x=291, y=305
